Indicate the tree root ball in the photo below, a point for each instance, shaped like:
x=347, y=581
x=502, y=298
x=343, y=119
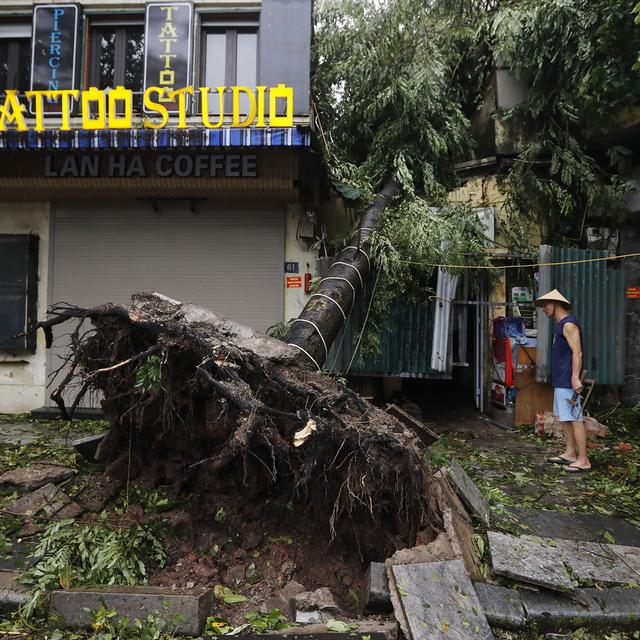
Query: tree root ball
x=221, y=406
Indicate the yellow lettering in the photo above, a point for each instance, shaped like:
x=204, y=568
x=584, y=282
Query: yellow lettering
x=167, y=59
x=167, y=31
x=204, y=92
x=38, y=99
x=65, y=104
x=260, y=100
x=281, y=92
x=251, y=115
x=167, y=43
x=13, y=115
x=169, y=11
x=181, y=94
x=120, y=94
x=160, y=109
x=96, y=96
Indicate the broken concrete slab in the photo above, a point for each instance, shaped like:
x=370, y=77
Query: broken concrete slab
x=438, y=601
x=185, y=609
x=48, y=500
x=88, y=446
x=553, y=611
x=315, y=607
x=469, y=493
x=502, y=606
x=283, y=599
x=598, y=562
x=12, y=593
x=575, y=526
x=428, y=436
x=375, y=596
x=630, y=556
x=434, y=551
x=529, y=559
x=36, y=476
x=621, y=607
x=15, y=556
x=377, y=629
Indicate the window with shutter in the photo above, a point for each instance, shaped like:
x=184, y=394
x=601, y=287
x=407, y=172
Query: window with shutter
x=18, y=292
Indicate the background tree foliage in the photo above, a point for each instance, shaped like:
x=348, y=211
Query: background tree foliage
x=389, y=106
x=577, y=59
x=396, y=82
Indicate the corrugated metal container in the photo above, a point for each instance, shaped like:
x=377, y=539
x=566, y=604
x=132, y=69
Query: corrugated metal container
x=405, y=343
x=597, y=293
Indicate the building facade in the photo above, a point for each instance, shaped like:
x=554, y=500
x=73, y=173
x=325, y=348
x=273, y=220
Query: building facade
x=151, y=147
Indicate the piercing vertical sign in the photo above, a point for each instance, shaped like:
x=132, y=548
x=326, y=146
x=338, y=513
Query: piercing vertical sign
x=54, y=53
x=167, y=56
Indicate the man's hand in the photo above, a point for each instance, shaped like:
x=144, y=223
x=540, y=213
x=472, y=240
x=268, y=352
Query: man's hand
x=576, y=384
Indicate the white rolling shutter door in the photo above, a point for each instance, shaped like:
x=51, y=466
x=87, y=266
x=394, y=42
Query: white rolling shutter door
x=225, y=257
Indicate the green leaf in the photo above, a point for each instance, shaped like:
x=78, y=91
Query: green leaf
x=341, y=627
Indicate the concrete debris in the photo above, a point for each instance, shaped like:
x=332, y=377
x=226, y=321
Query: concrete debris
x=187, y=609
x=36, y=476
x=48, y=499
x=469, y=493
x=438, y=602
x=529, y=559
x=436, y=550
x=315, y=607
x=12, y=593
x=375, y=596
x=88, y=447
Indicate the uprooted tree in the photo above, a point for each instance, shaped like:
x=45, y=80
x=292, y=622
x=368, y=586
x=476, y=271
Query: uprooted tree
x=224, y=406
x=229, y=408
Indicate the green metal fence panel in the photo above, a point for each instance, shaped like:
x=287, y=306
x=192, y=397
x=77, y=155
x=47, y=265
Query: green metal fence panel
x=405, y=343
x=597, y=292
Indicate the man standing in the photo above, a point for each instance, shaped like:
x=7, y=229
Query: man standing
x=566, y=366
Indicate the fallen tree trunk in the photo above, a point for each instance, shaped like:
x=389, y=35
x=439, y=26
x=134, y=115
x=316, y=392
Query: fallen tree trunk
x=222, y=404
x=312, y=333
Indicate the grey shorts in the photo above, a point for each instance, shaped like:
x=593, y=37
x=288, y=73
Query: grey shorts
x=563, y=409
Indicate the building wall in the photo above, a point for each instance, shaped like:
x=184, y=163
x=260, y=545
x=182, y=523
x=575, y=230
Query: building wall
x=296, y=250
x=23, y=376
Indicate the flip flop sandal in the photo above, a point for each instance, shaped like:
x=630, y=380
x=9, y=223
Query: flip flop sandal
x=570, y=469
x=559, y=460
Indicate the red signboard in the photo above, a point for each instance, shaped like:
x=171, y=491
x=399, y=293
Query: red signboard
x=294, y=282
x=633, y=292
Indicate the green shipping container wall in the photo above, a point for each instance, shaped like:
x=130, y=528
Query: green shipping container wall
x=597, y=293
x=405, y=343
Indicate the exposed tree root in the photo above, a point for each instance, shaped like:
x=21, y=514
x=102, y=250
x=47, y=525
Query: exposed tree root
x=226, y=409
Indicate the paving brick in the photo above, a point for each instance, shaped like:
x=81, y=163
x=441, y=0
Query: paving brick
x=376, y=597
x=469, y=492
x=502, y=606
x=554, y=611
x=620, y=606
x=185, y=609
x=438, y=602
x=12, y=594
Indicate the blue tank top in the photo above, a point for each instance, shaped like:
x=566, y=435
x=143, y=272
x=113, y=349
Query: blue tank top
x=561, y=366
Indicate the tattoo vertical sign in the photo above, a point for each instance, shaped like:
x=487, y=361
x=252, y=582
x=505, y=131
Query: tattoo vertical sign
x=55, y=50
x=168, y=43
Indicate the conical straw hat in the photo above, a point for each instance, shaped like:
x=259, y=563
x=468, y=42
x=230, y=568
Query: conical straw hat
x=552, y=296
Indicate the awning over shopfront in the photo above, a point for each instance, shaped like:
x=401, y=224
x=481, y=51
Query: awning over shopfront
x=155, y=139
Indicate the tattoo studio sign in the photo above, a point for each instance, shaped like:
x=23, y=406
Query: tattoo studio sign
x=113, y=108
x=167, y=55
